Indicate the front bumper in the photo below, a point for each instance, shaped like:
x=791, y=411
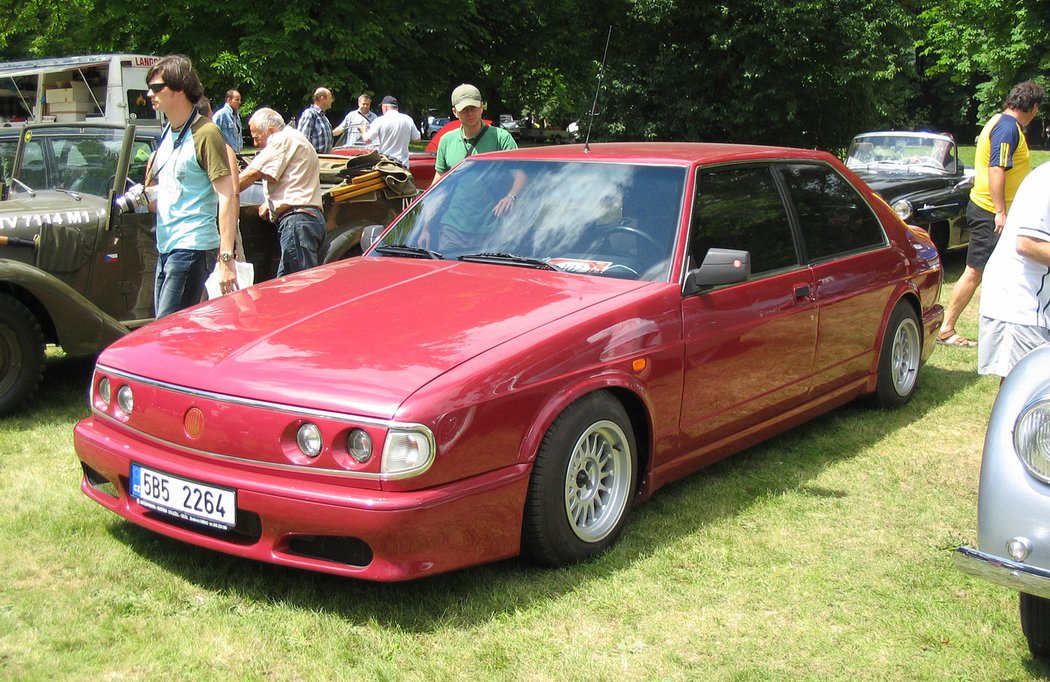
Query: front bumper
x=318, y=525
x=1006, y=572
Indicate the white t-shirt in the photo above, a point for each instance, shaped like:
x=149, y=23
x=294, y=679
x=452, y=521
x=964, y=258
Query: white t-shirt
x=1014, y=288
x=391, y=134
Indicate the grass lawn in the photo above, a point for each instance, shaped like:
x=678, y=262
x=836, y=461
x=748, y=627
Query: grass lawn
x=822, y=554
x=967, y=152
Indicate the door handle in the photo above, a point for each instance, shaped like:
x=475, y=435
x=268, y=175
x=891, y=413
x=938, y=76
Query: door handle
x=802, y=291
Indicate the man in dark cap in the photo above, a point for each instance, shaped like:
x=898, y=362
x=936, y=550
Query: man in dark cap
x=392, y=132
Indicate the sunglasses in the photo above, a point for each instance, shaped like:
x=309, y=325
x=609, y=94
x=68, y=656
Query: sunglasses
x=156, y=87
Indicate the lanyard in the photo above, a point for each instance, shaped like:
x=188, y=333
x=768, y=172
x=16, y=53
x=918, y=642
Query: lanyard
x=177, y=142
x=472, y=148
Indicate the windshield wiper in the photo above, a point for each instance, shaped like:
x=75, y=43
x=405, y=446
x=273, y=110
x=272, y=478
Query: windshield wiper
x=75, y=195
x=25, y=187
x=408, y=251
x=496, y=257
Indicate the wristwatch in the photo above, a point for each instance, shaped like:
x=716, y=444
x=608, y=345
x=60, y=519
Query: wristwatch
x=225, y=257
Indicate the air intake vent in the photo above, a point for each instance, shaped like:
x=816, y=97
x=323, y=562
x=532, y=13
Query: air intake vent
x=343, y=550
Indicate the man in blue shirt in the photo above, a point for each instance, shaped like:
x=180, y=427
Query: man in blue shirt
x=194, y=187
x=314, y=124
x=228, y=118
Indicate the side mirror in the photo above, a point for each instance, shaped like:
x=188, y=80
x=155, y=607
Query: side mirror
x=720, y=266
x=370, y=236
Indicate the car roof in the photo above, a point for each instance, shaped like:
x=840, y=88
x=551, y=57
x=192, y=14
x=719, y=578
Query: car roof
x=670, y=153
x=906, y=133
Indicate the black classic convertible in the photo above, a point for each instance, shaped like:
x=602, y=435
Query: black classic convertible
x=921, y=177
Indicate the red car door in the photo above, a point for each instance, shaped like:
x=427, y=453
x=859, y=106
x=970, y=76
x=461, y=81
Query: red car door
x=855, y=270
x=749, y=347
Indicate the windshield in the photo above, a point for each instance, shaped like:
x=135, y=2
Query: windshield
x=76, y=160
x=912, y=153
x=599, y=219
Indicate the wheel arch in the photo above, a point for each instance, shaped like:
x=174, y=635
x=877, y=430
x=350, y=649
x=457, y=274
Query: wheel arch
x=910, y=296
x=67, y=317
x=39, y=311
x=627, y=392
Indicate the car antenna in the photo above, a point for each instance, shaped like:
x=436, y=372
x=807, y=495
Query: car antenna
x=597, y=89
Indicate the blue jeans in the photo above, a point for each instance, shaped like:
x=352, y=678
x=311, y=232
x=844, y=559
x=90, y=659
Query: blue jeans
x=180, y=279
x=302, y=233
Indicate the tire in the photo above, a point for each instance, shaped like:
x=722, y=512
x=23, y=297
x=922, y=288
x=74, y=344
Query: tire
x=939, y=234
x=21, y=354
x=1035, y=624
x=582, y=483
x=898, y=372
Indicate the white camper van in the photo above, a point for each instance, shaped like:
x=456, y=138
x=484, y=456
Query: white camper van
x=103, y=87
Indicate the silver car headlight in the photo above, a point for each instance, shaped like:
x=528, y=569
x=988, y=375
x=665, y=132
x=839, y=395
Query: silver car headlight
x=1032, y=439
x=407, y=451
x=903, y=208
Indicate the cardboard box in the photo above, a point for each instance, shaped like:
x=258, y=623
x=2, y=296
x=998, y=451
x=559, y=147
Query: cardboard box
x=81, y=92
x=56, y=95
x=71, y=108
x=69, y=118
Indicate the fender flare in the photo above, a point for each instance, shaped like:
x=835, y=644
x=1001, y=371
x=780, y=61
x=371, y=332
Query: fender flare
x=80, y=327
x=613, y=380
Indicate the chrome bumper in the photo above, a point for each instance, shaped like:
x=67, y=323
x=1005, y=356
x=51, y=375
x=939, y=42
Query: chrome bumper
x=1005, y=572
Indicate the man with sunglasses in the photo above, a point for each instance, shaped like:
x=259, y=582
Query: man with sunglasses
x=195, y=186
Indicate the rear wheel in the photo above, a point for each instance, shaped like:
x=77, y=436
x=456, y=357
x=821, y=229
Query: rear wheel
x=582, y=483
x=1035, y=624
x=898, y=372
x=21, y=353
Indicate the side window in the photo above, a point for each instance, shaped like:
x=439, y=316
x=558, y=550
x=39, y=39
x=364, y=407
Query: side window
x=741, y=208
x=833, y=216
x=34, y=169
x=140, y=152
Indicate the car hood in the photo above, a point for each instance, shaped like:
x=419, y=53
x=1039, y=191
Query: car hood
x=893, y=185
x=358, y=336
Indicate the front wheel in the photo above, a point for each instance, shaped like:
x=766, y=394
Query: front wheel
x=1035, y=624
x=21, y=354
x=898, y=372
x=582, y=483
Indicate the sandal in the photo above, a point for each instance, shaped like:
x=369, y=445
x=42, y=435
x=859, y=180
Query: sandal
x=952, y=338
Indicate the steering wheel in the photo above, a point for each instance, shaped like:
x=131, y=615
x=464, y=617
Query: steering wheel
x=618, y=269
x=611, y=230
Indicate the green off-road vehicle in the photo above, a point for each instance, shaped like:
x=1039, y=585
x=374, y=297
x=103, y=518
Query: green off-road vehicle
x=76, y=271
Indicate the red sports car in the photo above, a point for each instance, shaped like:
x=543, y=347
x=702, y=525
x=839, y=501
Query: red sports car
x=540, y=342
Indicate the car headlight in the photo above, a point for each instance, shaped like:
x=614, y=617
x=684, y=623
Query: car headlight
x=1032, y=439
x=407, y=452
x=903, y=208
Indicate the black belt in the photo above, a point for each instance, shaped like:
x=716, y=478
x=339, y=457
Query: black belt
x=309, y=210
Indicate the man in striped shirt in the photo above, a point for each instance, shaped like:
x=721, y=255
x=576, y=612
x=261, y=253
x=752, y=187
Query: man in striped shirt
x=1002, y=162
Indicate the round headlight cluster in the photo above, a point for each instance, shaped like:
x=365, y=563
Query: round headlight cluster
x=1032, y=439
x=903, y=208
x=105, y=390
x=125, y=399
x=359, y=445
x=309, y=439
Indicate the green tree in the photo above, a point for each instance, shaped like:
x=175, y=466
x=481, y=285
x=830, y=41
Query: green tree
x=809, y=73
x=988, y=45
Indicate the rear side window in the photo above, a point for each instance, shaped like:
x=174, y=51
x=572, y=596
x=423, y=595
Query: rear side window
x=741, y=208
x=833, y=217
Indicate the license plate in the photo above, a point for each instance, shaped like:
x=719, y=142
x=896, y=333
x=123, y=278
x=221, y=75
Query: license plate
x=183, y=498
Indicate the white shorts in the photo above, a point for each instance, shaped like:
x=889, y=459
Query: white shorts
x=1001, y=345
